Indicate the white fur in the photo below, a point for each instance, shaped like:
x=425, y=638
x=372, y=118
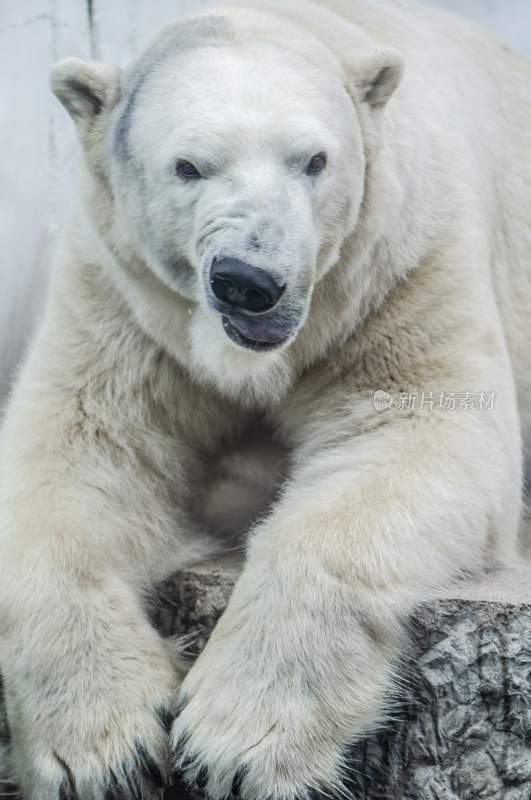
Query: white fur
x=136, y=423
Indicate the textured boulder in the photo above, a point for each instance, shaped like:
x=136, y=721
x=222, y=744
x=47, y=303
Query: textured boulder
x=462, y=729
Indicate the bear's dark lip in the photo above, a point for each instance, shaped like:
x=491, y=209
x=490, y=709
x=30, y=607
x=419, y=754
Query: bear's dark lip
x=245, y=341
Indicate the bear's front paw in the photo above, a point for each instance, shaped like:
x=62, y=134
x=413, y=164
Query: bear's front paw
x=270, y=707
x=107, y=740
x=244, y=735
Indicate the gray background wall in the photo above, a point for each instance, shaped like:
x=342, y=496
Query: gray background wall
x=38, y=142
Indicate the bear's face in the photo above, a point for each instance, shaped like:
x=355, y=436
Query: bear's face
x=229, y=170
x=238, y=173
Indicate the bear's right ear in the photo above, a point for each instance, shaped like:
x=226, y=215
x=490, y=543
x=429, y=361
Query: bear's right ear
x=85, y=88
x=373, y=76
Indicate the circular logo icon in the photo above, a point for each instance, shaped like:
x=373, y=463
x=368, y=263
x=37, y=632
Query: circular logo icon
x=382, y=400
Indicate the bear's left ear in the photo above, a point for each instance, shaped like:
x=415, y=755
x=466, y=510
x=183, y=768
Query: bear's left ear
x=85, y=88
x=373, y=76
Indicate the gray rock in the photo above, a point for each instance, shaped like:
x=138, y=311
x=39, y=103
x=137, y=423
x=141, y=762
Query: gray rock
x=462, y=727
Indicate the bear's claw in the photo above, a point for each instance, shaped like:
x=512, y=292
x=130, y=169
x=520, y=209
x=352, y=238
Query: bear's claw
x=140, y=779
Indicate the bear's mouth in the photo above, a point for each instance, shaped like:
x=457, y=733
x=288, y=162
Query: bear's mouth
x=265, y=339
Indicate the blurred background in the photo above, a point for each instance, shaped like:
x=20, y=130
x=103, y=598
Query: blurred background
x=39, y=149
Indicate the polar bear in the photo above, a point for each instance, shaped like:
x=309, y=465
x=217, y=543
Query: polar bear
x=301, y=236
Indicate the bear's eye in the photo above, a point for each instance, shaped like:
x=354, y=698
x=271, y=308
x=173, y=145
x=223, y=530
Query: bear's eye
x=316, y=164
x=187, y=171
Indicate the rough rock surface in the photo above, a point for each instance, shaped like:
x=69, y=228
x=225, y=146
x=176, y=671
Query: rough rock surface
x=463, y=724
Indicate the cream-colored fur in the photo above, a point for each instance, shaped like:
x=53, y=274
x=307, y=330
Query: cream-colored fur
x=407, y=265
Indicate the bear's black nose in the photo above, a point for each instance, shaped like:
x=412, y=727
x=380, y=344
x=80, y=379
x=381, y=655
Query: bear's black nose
x=244, y=287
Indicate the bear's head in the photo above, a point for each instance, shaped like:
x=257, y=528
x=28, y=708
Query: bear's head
x=227, y=167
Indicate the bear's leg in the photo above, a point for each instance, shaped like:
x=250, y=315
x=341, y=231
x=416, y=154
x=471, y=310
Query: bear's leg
x=89, y=521
x=380, y=511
